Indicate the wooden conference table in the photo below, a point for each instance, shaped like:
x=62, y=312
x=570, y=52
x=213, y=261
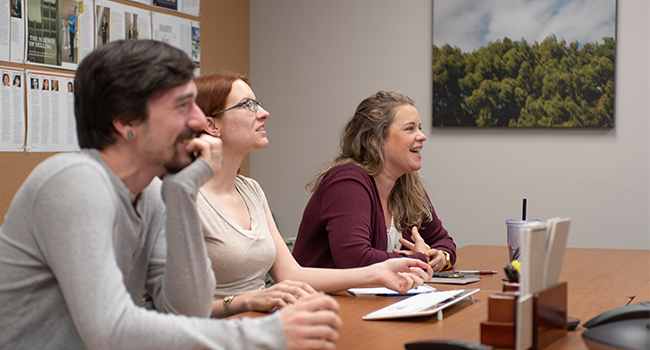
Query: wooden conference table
x=598, y=280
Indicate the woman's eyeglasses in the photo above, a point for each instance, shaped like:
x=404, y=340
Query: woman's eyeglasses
x=252, y=105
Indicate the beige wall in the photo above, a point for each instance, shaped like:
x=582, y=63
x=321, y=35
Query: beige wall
x=312, y=62
x=224, y=45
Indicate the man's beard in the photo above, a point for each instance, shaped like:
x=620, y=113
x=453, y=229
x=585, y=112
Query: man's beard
x=176, y=165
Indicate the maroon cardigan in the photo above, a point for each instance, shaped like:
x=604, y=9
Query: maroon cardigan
x=343, y=224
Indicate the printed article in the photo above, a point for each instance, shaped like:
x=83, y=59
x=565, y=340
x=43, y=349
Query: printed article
x=119, y=22
x=51, y=125
x=196, y=47
x=179, y=32
x=58, y=32
x=190, y=7
x=12, y=113
x=12, y=31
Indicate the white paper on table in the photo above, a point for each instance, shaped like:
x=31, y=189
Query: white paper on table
x=383, y=291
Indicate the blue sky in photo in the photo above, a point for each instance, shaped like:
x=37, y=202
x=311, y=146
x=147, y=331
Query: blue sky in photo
x=471, y=24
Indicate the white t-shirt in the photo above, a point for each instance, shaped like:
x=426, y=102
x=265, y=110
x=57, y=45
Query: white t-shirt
x=393, y=238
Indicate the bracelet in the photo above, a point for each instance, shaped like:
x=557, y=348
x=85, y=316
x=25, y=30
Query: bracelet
x=226, y=304
x=447, y=260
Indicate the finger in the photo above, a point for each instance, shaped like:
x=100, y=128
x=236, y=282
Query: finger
x=205, y=146
x=315, y=335
x=429, y=272
x=318, y=301
x=415, y=234
x=298, y=289
x=417, y=280
x=324, y=317
x=423, y=269
x=275, y=305
x=421, y=273
x=197, y=146
x=407, y=282
x=434, y=265
x=288, y=298
x=404, y=252
x=305, y=288
x=436, y=260
x=416, y=263
x=406, y=244
x=317, y=344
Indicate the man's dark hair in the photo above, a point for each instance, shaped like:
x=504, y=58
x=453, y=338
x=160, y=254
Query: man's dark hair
x=116, y=81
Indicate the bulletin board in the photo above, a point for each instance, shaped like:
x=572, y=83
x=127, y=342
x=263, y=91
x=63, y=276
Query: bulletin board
x=225, y=29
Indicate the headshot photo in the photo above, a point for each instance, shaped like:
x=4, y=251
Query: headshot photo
x=46, y=84
x=16, y=80
x=34, y=83
x=55, y=85
x=5, y=79
x=70, y=88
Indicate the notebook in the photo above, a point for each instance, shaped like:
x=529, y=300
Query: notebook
x=420, y=305
x=455, y=280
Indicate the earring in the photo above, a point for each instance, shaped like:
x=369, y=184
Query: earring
x=129, y=134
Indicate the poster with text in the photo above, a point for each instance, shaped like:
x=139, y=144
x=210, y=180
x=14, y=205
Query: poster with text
x=190, y=7
x=58, y=32
x=168, y=4
x=176, y=31
x=51, y=125
x=12, y=31
x=196, y=47
x=119, y=22
x=12, y=113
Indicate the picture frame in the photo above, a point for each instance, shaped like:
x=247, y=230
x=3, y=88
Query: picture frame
x=524, y=63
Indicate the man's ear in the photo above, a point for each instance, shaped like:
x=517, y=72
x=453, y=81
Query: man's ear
x=212, y=127
x=124, y=128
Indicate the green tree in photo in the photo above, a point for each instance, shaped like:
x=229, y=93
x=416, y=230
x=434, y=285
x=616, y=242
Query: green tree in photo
x=514, y=84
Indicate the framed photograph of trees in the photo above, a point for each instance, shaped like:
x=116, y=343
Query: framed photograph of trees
x=524, y=63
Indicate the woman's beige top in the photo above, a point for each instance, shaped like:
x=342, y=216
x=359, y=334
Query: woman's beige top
x=240, y=258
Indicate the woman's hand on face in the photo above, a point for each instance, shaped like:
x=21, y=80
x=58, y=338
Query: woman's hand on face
x=278, y=295
x=402, y=274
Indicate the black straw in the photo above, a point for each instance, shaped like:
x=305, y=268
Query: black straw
x=523, y=211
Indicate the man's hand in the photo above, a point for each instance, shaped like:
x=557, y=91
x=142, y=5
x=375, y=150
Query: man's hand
x=278, y=295
x=311, y=323
x=207, y=147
